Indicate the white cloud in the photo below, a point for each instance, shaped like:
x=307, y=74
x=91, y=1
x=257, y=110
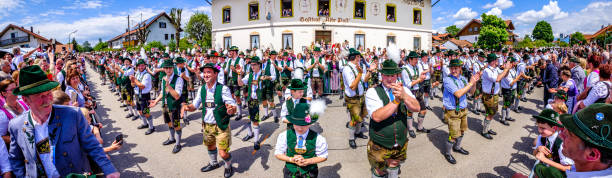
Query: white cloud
x=465, y=14
x=439, y=18
x=550, y=10
x=501, y=4
x=6, y=6
x=91, y=4
x=52, y=12
x=495, y=11
x=588, y=20
x=461, y=23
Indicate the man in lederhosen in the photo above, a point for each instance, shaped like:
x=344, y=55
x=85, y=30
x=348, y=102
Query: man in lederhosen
x=218, y=105
x=182, y=72
x=491, y=78
x=232, y=64
x=172, y=85
x=354, y=88
x=509, y=85
x=127, y=91
x=454, y=101
x=388, y=105
x=316, y=67
x=283, y=69
x=143, y=83
x=412, y=76
x=426, y=84
x=254, y=83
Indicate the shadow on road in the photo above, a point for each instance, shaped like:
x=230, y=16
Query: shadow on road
x=245, y=159
x=330, y=171
x=436, y=137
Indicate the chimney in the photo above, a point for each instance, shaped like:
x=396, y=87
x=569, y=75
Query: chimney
x=32, y=29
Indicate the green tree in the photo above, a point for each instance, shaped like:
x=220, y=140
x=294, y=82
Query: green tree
x=171, y=45
x=184, y=44
x=577, y=38
x=175, y=18
x=100, y=46
x=199, y=28
x=452, y=30
x=525, y=43
x=492, y=33
x=86, y=47
x=543, y=31
x=155, y=44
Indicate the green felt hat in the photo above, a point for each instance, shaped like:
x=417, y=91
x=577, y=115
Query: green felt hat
x=285, y=54
x=211, y=66
x=255, y=59
x=592, y=124
x=423, y=54
x=241, y=53
x=214, y=53
x=233, y=48
x=548, y=116
x=491, y=57
x=167, y=63
x=389, y=67
x=301, y=115
x=297, y=84
x=525, y=56
x=561, y=94
x=166, y=55
x=455, y=63
x=140, y=62
x=317, y=49
x=179, y=60
x=512, y=59
x=574, y=60
x=33, y=80
x=412, y=54
x=481, y=54
x=505, y=50
x=353, y=52
x=273, y=53
x=127, y=59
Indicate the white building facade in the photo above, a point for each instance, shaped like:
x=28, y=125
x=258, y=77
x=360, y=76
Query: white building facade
x=161, y=27
x=296, y=24
x=15, y=36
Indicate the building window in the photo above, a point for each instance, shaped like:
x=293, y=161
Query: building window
x=254, y=41
x=13, y=35
x=360, y=41
x=391, y=13
x=254, y=11
x=166, y=36
x=286, y=8
x=390, y=40
x=227, y=14
x=172, y=36
x=417, y=43
x=470, y=29
x=162, y=24
x=227, y=42
x=288, y=41
x=323, y=8
x=359, y=9
x=416, y=16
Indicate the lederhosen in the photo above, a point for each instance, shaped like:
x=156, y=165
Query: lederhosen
x=292, y=170
x=219, y=111
x=285, y=75
x=521, y=83
x=233, y=81
x=426, y=84
x=170, y=105
x=253, y=104
x=101, y=66
x=437, y=74
x=127, y=91
x=184, y=98
x=388, y=137
x=320, y=70
x=142, y=99
x=355, y=101
x=478, y=90
x=490, y=99
x=418, y=93
x=509, y=93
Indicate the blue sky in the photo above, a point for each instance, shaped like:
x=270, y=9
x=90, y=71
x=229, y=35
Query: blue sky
x=105, y=19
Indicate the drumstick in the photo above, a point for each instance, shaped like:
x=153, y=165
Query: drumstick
x=262, y=141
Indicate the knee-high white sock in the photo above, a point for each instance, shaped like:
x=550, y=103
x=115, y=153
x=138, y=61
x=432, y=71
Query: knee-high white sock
x=504, y=113
x=250, y=129
x=410, y=123
x=426, y=100
x=144, y=120
x=420, y=122
x=256, y=132
x=150, y=122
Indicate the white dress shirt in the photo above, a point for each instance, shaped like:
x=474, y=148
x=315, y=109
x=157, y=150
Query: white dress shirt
x=373, y=102
x=281, y=144
x=145, y=78
x=348, y=75
x=489, y=79
x=209, y=118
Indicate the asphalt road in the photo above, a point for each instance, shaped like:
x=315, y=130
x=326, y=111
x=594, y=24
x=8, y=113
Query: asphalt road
x=144, y=156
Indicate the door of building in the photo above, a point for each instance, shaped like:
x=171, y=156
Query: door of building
x=324, y=35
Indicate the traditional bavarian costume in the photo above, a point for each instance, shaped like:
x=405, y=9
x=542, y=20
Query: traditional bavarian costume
x=171, y=106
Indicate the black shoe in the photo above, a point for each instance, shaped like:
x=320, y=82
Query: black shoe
x=510, y=119
x=461, y=150
x=361, y=135
x=143, y=126
x=210, y=167
x=256, y=146
x=492, y=132
x=515, y=110
x=347, y=124
x=176, y=149
x=275, y=119
x=477, y=113
x=150, y=131
x=129, y=115
x=246, y=138
x=428, y=108
x=486, y=135
x=411, y=133
x=450, y=158
x=116, y=94
x=228, y=172
x=238, y=118
x=120, y=100
x=352, y=144
x=126, y=109
x=168, y=142
x=504, y=122
x=134, y=118
x=523, y=99
x=519, y=108
x=186, y=120
x=423, y=130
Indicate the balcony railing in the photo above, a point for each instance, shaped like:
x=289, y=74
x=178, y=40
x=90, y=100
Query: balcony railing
x=11, y=41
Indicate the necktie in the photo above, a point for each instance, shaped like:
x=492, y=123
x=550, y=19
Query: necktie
x=390, y=92
x=301, y=142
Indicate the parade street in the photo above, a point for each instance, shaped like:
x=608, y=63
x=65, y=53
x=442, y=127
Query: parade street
x=144, y=156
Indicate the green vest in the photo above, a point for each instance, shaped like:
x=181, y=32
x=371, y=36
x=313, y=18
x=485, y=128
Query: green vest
x=250, y=87
x=285, y=73
x=392, y=130
x=311, y=146
x=125, y=80
x=318, y=68
x=170, y=102
x=234, y=74
x=220, y=111
x=266, y=72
